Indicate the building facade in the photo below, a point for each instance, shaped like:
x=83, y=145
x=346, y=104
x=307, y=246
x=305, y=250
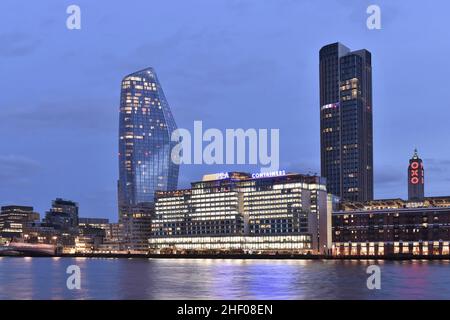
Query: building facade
x=63, y=219
x=14, y=221
x=89, y=239
x=346, y=122
x=63, y=215
x=241, y=211
x=91, y=234
x=101, y=223
x=135, y=228
x=98, y=235
x=392, y=226
x=113, y=238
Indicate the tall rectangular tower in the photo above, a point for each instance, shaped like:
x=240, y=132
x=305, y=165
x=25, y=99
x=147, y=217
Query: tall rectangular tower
x=346, y=122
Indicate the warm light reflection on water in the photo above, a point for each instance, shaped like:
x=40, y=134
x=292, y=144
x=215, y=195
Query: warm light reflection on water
x=45, y=278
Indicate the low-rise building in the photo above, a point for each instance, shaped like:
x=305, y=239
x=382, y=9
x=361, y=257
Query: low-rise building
x=135, y=227
x=89, y=239
x=98, y=235
x=392, y=226
x=14, y=220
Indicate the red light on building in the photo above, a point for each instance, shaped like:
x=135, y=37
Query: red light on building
x=414, y=173
x=414, y=180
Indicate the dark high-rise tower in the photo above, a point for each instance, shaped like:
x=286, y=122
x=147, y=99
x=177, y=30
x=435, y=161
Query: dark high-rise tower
x=145, y=129
x=346, y=122
x=416, y=178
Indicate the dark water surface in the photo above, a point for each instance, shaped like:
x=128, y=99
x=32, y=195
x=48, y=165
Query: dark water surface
x=45, y=278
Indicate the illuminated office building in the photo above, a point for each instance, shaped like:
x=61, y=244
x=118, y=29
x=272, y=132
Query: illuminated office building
x=145, y=128
x=247, y=212
x=145, y=166
x=346, y=122
x=14, y=220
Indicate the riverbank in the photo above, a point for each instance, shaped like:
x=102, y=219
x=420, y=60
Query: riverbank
x=240, y=256
x=263, y=256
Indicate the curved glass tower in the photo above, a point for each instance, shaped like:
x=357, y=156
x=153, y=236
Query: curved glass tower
x=145, y=128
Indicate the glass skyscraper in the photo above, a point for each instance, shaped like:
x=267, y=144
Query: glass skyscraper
x=346, y=122
x=145, y=129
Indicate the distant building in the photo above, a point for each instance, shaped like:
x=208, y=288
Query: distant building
x=91, y=234
x=89, y=239
x=39, y=232
x=135, y=226
x=416, y=178
x=63, y=215
x=113, y=238
x=98, y=235
x=239, y=211
x=346, y=122
x=93, y=222
x=14, y=220
x=392, y=226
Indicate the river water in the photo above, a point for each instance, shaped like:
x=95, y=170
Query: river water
x=45, y=278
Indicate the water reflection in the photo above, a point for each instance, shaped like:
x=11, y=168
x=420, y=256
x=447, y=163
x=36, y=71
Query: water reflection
x=45, y=278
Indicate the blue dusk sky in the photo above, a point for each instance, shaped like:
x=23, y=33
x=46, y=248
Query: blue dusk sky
x=231, y=64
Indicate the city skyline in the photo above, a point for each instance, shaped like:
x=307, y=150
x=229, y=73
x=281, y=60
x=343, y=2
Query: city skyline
x=46, y=145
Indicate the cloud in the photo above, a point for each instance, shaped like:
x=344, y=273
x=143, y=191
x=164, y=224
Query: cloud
x=202, y=72
x=211, y=51
x=92, y=115
x=437, y=169
x=16, y=170
x=308, y=166
x=17, y=44
x=388, y=177
x=390, y=181
x=436, y=165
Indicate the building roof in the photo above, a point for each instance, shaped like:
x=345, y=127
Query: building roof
x=383, y=204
